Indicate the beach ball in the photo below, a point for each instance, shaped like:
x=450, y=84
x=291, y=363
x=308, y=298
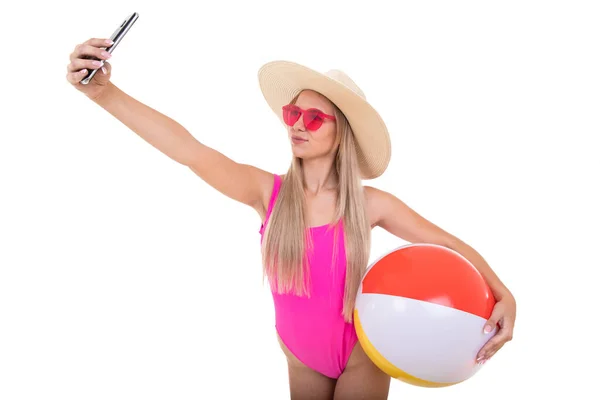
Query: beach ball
x=420, y=313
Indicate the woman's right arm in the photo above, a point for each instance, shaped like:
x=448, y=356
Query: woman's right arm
x=244, y=183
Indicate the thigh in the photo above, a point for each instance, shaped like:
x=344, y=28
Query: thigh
x=362, y=379
x=306, y=383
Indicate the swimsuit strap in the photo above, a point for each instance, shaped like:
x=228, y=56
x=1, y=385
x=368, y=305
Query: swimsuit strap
x=274, y=193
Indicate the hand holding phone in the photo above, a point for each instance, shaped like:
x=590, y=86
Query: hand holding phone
x=88, y=57
x=116, y=37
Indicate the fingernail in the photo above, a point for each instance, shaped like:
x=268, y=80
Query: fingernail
x=487, y=329
x=108, y=41
x=104, y=70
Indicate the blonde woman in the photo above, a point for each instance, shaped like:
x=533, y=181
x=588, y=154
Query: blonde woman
x=317, y=217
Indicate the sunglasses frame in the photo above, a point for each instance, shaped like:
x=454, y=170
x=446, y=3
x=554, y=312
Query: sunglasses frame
x=303, y=114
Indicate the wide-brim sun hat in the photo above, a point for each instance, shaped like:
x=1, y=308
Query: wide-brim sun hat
x=281, y=81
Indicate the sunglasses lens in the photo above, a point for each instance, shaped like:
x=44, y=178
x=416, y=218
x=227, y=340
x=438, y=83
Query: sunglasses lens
x=291, y=114
x=312, y=120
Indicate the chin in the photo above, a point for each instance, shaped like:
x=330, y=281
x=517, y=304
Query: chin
x=298, y=154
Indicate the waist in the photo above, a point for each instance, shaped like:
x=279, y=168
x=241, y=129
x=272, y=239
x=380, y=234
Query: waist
x=309, y=314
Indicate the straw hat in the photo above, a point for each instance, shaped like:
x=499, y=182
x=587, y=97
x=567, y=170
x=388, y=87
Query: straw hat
x=281, y=81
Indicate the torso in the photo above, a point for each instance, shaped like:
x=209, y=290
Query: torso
x=313, y=326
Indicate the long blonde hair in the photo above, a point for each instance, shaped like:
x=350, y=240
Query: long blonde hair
x=286, y=239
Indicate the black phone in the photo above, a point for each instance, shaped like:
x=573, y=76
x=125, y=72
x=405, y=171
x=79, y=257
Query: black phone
x=116, y=37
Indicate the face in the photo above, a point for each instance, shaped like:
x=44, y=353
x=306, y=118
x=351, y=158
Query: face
x=316, y=143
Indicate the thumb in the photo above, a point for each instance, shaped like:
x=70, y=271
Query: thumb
x=492, y=322
x=103, y=74
x=106, y=68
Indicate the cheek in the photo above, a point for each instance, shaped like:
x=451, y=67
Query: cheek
x=329, y=138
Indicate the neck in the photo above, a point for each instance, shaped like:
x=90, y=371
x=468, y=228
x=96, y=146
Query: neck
x=318, y=175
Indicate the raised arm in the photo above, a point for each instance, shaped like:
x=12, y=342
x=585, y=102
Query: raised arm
x=244, y=183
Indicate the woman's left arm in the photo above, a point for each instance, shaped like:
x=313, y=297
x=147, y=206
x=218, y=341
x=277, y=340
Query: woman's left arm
x=393, y=215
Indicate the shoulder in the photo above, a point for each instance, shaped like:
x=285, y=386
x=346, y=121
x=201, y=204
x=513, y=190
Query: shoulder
x=375, y=203
x=268, y=182
x=382, y=206
x=375, y=195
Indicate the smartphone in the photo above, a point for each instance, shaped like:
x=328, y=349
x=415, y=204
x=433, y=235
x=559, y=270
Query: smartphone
x=116, y=37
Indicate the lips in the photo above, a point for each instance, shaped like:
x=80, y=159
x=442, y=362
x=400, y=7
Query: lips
x=299, y=139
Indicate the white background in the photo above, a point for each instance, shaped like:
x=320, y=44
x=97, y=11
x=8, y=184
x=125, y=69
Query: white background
x=124, y=276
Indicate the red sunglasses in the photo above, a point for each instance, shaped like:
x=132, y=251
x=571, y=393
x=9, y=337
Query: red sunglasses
x=313, y=118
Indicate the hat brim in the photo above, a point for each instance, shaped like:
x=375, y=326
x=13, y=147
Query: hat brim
x=281, y=81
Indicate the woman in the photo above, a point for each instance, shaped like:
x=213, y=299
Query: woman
x=316, y=218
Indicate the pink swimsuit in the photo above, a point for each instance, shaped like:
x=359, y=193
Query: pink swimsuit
x=313, y=329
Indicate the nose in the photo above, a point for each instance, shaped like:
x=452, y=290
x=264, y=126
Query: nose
x=299, y=125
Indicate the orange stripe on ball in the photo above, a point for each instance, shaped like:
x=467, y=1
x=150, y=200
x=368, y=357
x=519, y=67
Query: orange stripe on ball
x=431, y=273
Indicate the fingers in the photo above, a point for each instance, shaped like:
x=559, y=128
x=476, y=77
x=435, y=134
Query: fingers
x=106, y=68
x=86, y=56
x=492, y=322
x=92, y=47
x=502, y=317
x=78, y=64
x=490, y=348
x=87, y=51
x=493, y=345
x=76, y=77
x=103, y=42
